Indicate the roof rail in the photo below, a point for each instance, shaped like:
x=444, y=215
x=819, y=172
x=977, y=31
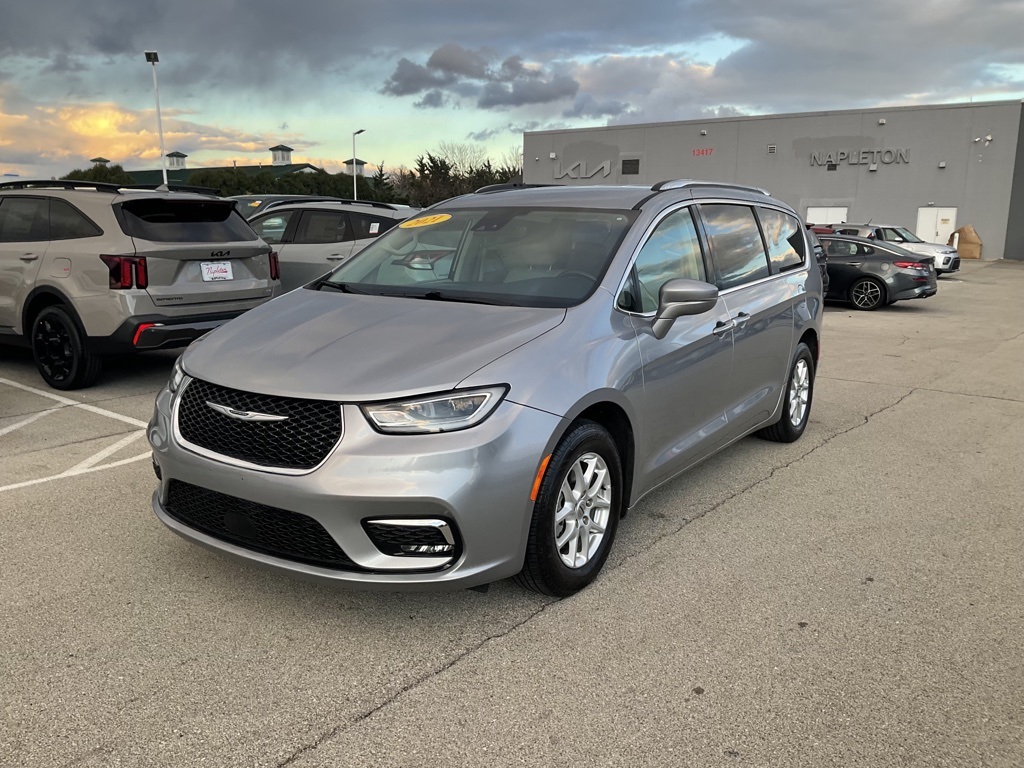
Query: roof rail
x=174, y=188
x=61, y=184
x=509, y=186
x=325, y=199
x=661, y=186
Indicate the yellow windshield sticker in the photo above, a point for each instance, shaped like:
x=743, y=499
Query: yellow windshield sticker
x=425, y=221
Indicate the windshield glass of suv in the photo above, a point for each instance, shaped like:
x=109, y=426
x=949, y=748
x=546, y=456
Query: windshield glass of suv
x=907, y=235
x=529, y=257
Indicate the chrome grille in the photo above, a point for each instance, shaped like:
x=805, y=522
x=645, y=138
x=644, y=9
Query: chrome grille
x=300, y=441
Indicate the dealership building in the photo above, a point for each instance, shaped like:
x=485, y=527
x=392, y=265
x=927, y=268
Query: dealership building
x=931, y=169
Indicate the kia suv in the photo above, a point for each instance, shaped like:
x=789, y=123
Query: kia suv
x=312, y=238
x=487, y=388
x=945, y=256
x=88, y=270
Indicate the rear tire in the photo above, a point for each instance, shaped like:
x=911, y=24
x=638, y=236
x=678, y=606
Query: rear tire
x=796, y=405
x=59, y=349
x=867, y=294
x=576, y=513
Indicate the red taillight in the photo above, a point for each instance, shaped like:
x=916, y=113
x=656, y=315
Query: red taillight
x=127, y=271
x=909, y=265
x=275, y=266
x=141, y=273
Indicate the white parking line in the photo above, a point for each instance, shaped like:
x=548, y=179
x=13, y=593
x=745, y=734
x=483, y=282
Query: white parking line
x=74, y=472
x=25, y=422
x=75, y=404
x=96, y=458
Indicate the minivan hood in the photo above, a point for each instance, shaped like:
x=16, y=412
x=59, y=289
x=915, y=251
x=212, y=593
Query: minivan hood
x=358, y=348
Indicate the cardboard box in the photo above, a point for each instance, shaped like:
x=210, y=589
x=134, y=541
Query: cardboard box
x=969, y=244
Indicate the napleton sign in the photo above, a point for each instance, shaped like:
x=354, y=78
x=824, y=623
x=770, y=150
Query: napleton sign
x=861, y=157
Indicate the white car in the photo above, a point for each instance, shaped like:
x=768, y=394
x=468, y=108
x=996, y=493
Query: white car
x=313, y=238
x=946, y=257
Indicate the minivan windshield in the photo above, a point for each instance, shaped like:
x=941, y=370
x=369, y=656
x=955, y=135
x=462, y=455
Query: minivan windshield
x=530, y=257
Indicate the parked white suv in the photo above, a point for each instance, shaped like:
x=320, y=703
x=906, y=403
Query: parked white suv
x=312, y=238
x=946, y=257
x=90, y=269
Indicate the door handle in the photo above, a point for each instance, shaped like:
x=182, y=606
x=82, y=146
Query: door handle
x=724, y=327
x=741, y=319
x=29, y=256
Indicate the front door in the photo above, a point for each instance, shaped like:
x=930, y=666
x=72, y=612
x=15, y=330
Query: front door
x=935, y=225
x=686, y=373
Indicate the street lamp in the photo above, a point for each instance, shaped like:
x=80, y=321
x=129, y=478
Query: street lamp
x=153, y=58
x=355, y=194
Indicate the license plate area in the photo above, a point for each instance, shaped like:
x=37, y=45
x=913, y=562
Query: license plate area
x=214, y=271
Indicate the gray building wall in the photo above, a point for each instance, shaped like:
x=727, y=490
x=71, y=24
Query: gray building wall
x=977, y=179
x=1015, y=229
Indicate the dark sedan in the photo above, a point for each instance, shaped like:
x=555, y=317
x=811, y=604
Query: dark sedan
x=869, y=274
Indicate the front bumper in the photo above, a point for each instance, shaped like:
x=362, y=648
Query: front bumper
x=479, y=480
x=947, y=263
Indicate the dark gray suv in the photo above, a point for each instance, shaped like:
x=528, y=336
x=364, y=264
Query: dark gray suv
x=486, y=389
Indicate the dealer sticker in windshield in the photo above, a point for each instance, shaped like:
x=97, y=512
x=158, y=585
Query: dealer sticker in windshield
x=425, y=221
x=216, y=270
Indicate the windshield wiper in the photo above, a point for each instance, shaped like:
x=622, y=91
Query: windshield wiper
x=440, y=296
x=340, y=287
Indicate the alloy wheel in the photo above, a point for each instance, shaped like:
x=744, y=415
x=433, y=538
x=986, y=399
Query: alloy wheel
x=583, y=510
x=866, y=294
x=799, y=393
x=54, y=348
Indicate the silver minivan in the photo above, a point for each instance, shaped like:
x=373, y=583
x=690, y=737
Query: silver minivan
x=485, y=390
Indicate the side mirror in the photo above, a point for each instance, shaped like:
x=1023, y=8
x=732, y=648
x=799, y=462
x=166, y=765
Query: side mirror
x=681, y=297
x=897, y=239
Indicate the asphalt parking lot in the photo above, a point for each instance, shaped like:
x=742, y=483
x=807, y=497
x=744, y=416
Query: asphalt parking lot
x=853, y=599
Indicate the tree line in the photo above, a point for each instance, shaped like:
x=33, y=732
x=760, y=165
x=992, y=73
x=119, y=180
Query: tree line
x=449, y=171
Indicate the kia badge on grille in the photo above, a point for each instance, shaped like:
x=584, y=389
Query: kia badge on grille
x=244, y=415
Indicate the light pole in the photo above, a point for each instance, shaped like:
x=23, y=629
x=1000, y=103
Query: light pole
x=153, y=58
x=355, y=194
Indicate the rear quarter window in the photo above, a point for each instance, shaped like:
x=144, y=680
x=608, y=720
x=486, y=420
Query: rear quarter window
x=736, y=246
x=68, y=223
x=785, y=239
x=184, y=221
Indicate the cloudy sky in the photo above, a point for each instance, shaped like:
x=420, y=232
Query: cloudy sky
x=238, y=77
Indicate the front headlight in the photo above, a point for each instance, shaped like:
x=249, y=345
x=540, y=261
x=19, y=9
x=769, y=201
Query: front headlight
x=177, y=377
x=435, y=413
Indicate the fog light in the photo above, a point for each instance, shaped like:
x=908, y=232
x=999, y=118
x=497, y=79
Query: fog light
x=427, y=549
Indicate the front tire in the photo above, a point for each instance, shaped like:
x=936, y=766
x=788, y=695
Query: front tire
x=576, y=513
x=58, y=347
x=796, y=407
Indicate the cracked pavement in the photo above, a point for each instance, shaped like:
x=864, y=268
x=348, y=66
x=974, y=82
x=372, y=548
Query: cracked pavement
x=855, y=598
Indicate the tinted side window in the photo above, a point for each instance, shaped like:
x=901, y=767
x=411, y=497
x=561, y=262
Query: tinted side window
x=673, y=250
x=736, y=247
x=365, y=225
x=272, y=226
x=68, y=223
x=184, y=221
x=323, y=227
x=785, y=239
x=24, y=219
